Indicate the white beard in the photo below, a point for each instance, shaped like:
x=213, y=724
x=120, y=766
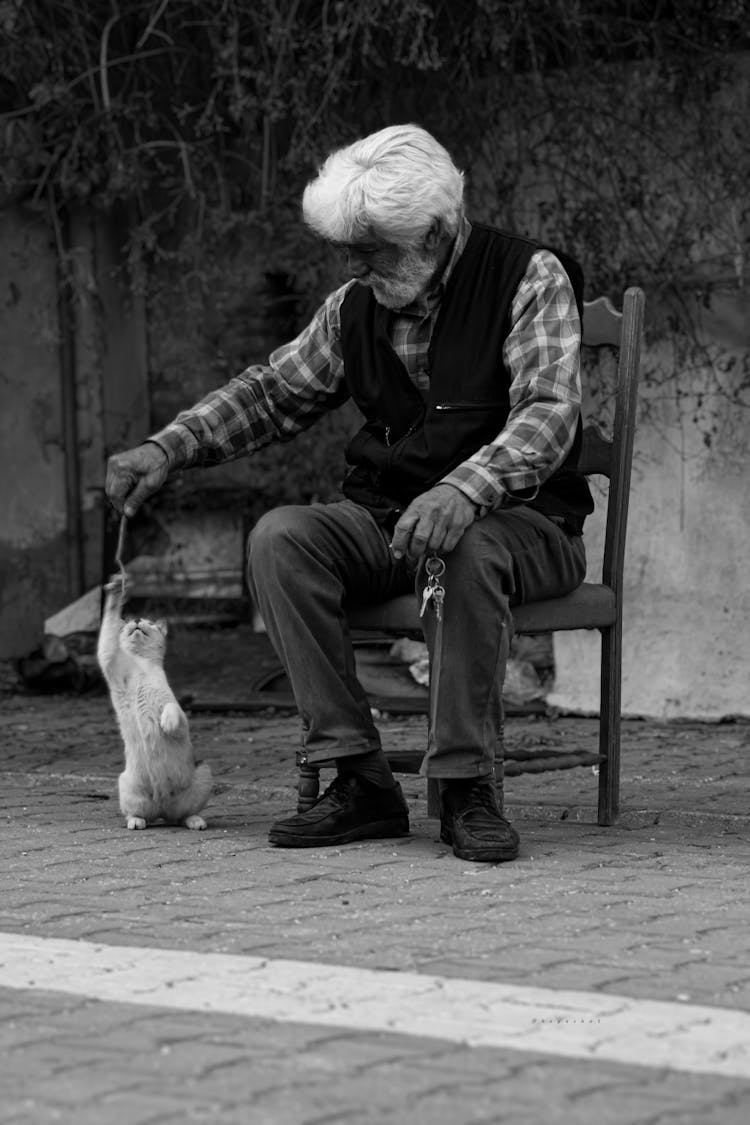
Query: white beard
x=408, y=281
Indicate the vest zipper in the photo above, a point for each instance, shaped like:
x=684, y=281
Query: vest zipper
x=445, y=407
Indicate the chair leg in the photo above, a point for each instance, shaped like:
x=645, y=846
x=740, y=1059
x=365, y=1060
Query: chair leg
x=308, y=786
x=609, y=725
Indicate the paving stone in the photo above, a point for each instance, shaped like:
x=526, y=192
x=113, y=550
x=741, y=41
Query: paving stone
x=654, y=908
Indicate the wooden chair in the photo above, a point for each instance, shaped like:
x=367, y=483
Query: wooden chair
x=593, y=605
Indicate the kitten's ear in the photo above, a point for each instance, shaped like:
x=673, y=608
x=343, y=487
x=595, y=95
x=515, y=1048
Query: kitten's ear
x=162, y=626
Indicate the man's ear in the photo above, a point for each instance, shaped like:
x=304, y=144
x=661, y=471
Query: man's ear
x=434, y=236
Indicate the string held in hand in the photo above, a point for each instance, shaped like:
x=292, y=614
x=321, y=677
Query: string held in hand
x=118, y=554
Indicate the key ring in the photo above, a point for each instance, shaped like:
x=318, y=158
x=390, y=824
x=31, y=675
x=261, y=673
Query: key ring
x=433, y=591
x=434, y=567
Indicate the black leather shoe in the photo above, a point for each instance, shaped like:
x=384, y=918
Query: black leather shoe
x=471, y=821
x=350, y=809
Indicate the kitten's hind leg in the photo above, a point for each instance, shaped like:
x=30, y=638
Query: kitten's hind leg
x=185, y=808
x=136, y=805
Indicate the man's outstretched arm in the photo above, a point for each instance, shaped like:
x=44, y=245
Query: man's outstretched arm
x=302, y=380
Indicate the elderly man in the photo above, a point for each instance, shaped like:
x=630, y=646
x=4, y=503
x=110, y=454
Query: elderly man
x=460, y=345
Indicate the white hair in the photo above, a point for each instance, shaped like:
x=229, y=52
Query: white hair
x=393, y=184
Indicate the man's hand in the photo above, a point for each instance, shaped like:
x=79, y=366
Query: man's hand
x=433, y=523
x=135, y=475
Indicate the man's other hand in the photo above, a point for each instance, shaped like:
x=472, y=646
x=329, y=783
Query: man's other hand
x=135, y=475
x=433, y=523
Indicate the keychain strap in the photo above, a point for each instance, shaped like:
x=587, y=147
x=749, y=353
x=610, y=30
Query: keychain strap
x=434, y=592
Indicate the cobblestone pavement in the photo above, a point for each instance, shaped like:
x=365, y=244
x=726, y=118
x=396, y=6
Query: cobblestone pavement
x=655, y=908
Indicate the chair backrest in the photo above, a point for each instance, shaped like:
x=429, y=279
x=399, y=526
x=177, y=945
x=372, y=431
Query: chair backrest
x=604, y=326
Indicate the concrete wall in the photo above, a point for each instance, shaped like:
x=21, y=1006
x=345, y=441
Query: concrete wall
x=686, y=646
x=687, y=617
x=73, y=387
x=33, y=530
x=111, y=372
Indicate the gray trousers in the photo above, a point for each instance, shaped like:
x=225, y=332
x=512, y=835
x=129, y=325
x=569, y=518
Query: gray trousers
x=306, y=563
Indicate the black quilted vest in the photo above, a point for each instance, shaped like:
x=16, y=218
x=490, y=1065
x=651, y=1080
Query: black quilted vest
x=407, y=445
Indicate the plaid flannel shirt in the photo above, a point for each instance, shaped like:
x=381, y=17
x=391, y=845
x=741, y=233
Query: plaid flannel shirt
x=304, y=378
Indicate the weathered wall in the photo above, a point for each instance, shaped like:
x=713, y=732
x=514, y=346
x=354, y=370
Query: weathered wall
x=145, y=347
x=73, y=386
x=686, y=644
x=33, y=554
x=687, y=617
x=111, y=368
x=652, y=191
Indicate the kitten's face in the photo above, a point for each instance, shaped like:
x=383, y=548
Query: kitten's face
x=145, y=638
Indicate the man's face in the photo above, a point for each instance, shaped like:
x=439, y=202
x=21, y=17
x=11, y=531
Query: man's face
x=397, y=275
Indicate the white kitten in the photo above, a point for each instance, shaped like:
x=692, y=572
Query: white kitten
x=161, y=779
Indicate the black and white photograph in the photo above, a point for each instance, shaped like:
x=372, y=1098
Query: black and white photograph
x=374, y=581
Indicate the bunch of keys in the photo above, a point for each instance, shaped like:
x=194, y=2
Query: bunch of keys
x=435, y=569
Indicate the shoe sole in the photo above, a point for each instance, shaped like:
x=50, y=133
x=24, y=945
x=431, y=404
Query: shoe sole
x=481, y=855
x=378, y=830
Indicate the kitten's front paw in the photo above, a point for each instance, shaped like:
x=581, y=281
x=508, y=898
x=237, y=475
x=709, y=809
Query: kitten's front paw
x=136, y=822
x=197, y=823
x=171, y=717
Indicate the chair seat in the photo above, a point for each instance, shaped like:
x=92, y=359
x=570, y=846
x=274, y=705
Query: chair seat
x=591, y=606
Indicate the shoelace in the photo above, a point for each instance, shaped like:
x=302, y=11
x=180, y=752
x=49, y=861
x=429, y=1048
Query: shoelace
x=339, y=788
x=477, y=794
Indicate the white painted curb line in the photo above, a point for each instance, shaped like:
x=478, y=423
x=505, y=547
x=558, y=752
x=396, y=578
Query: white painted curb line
x=573, y=1024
